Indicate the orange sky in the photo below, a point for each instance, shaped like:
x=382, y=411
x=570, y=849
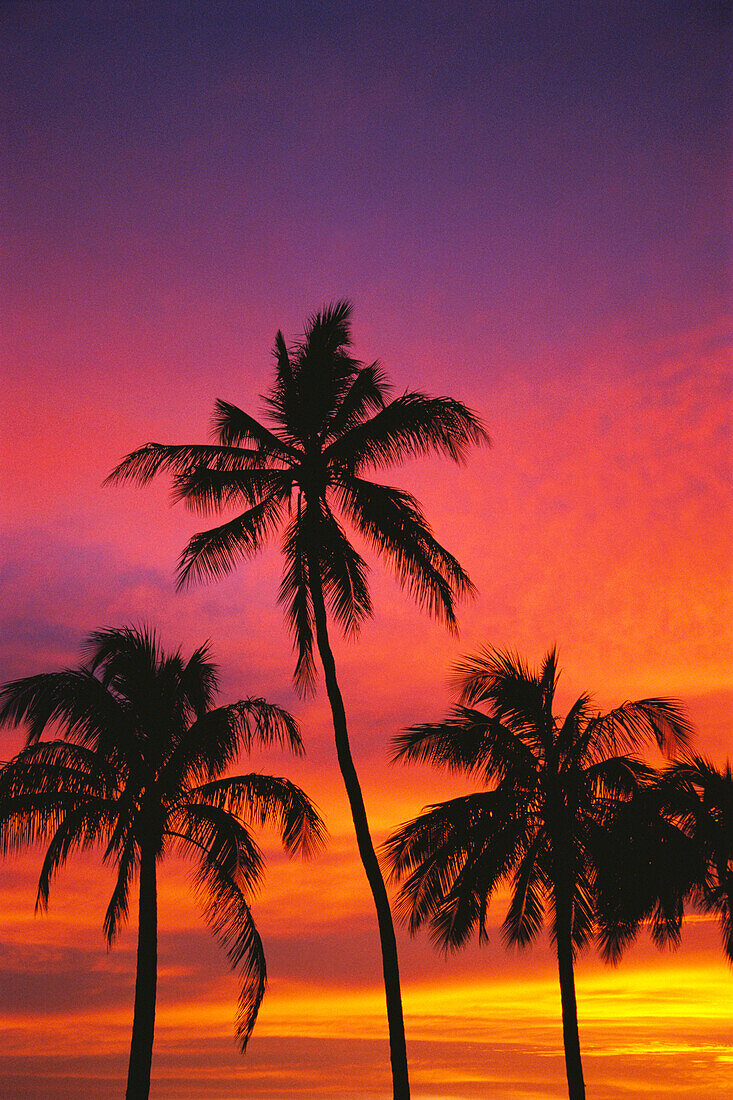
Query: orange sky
x=525, y=208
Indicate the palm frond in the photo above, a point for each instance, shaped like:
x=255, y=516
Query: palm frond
x=197, y=826
x=212, y=554
x=268, y=800
x=584, y=905
x=395, y=527
x=119, y=904
x=410, y=425
x=468, y=740
x=634, y=724
x=234, y=426
x=465, y=845
x=200, y=680
x=523, y=921
x=569, y=737
x=516, y=696
x=124, y=653
x=618, y=777
x=81, y=828
x=213, y=742
x=207, y=491
x=343, y=574
x=229, y=916
x=73, y=698
x=142, y=465
x=367, y=394
x=295, y=596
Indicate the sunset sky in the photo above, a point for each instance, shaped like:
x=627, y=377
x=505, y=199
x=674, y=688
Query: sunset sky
x=526, y=203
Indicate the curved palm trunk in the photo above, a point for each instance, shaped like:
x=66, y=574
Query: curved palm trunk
x=143, y=1024
x=390, y=965
x=570, y=1034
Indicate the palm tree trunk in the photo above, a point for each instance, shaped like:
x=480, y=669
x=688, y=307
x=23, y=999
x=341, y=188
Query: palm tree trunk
x=143, y=1024
x=390, y=964
x=570, y=1034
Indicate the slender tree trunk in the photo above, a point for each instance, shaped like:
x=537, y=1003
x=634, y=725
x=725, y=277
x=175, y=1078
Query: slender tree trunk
x=390, y=965
x=143, y=1024
x=570, y=1034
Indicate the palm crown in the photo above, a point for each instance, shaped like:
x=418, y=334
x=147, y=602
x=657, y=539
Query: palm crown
x=331, y=420
x=554, y=787
x=553, y=794
x=140, y=770
x=698, y=798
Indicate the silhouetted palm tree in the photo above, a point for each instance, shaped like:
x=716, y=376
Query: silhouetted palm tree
x=698, y=798
x=141, y=770
x=331, y=421
x=553, y=791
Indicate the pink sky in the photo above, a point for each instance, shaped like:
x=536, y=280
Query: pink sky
x=526, y=211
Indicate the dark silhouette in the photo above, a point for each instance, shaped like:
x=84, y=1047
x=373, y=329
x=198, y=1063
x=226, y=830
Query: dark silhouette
x=553, y=789
x=670, y=844
x=698, y=798
x=331, y=422
x=140, y=770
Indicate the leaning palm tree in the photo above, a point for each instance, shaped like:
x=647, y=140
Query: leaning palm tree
x=141, y=769
x=331, y=421
x=552, y=792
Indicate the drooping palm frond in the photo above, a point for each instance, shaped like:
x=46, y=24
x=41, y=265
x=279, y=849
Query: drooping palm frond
x=343, y=574
x=208, y=491
x=394, y=526
x=57, y=768
x=295, y=596
x=584, y=908
x=229, y=917
x=530, y=890
x=212, y=554
x=119, y=904
x=466, y=838
x=81, y=828
x=199, y=828
x=43, y=785
x=267, y=800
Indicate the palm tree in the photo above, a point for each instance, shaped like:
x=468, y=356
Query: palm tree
x=330, y=422
x=670, y=844
x=698, y=799
x=552, y=789
x=141, y=769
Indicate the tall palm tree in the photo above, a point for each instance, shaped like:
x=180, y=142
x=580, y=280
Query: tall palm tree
x=141, y=769
x=552, y=792
x=331, y=421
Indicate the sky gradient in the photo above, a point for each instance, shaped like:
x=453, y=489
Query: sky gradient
x=525, y=203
